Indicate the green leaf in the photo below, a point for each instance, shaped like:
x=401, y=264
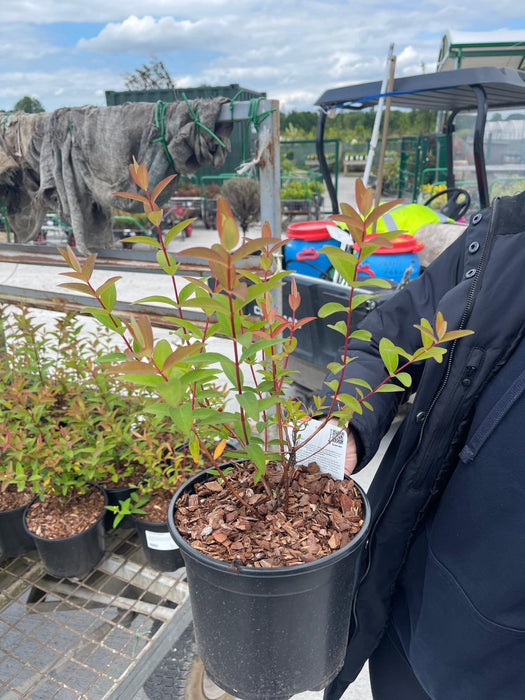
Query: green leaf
x=104, y=317
x=109, y=297
x=427, y=332
x=332, y=384
x=182, y=417
x=172, y=392
x=258, y=456
x=178, y=228
x=361, y=334
x=161, y=352
x=389, y=355
x=344, y=262
x=340, y=327
x=251, y=350
x=373, y=282
x=359, y=382
x=107, y=283
x=169, y=265
x=145, y=240
x=194, y=447
x=358, y=299
x=433, y=353
x=350, y=402
x=230, y=370
x=331, y=308
x=404, y=378
x=158, y=299
x=248, y=401
x=388, y=388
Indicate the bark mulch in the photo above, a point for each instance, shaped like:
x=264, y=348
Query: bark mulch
x=323, y=516
x=58, y=517
x=11, y=498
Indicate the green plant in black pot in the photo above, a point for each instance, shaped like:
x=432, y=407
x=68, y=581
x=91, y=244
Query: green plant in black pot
x=270, y=538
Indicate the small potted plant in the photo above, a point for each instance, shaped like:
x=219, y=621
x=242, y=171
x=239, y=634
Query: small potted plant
x=270, y=540
x=47, y=396
x=15, y=492
x=66, y=519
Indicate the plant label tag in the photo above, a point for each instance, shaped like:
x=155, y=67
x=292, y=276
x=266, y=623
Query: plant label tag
x=160, y=540
x=327, y=448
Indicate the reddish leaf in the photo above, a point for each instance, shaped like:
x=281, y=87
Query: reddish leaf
x=160, y=186
x=364, y=197
x=294, y=298
x=131, y=195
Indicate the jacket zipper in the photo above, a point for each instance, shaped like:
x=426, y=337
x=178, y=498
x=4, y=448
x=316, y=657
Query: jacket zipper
x=420, y=479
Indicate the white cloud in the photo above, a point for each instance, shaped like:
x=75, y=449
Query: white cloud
x=291, y=49
x=135, y=35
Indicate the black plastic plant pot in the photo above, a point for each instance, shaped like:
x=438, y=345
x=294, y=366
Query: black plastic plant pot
x=267, y=634
x=14, y=540
x=162, y=552
x=74, y=556
x=114, y=496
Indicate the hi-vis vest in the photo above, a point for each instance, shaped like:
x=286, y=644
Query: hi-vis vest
x=410, y=218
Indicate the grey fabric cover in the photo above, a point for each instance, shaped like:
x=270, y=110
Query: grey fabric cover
x=72, y=159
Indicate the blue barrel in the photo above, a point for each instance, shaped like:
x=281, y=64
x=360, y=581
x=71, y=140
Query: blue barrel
x=301, y=252
x=392, y=263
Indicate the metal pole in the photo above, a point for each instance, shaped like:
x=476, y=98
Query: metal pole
x=380, y=169
x=270, y=168
x=479, y=156
x=377, y=122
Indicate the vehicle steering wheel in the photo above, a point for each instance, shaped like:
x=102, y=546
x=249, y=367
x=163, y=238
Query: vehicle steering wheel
x=454, y=209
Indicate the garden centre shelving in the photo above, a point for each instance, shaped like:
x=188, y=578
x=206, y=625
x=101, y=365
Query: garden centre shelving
x=96, y=638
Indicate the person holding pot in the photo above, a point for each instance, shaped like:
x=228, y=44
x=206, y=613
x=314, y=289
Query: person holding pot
x=440, y=591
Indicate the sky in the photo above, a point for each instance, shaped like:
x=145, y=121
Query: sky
x=69, y=52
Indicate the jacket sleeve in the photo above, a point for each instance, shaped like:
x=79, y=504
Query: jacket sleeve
x=395, y=320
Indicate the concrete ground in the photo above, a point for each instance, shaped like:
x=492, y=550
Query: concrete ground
x=135, y=285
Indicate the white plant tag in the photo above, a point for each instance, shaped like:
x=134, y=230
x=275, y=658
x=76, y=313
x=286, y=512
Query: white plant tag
x=327, y=448
x=160, y=540
x=339, y=234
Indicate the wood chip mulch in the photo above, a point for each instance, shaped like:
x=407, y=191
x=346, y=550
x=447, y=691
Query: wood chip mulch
x=11, y=498
x=156, y=509
x=323, y=516
x=55, y=517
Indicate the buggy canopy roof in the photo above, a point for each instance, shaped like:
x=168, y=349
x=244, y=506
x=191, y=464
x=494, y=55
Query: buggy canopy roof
x=504, y=48
x=445, y=91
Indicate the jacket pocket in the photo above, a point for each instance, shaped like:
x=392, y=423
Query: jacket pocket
x=456, y=651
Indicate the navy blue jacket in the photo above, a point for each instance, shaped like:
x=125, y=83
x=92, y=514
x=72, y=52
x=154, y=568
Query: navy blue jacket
x=478, y=283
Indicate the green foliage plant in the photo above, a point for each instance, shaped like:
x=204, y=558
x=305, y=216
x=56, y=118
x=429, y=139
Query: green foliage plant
x=65, y=420
x=251, y=405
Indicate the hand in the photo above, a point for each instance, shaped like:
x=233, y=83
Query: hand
x=351, y=454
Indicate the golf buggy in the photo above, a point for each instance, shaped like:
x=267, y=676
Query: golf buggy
x=472, y=90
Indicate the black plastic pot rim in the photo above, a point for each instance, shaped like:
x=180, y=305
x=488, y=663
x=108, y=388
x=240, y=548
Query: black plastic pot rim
x=71, y=537
x=256, y=572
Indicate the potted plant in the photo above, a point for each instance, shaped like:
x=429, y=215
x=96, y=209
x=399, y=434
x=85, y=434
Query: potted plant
x=47, y=397
x=270, y=540
x=15, y=493
x=165, y=465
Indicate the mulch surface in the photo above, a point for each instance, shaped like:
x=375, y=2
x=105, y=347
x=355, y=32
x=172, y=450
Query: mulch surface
x=323, y=516
x=58, y=517
x=156, y=509
x=11, y=498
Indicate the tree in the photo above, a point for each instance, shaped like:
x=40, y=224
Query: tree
x=29, y=104
x=242, y=194
x=152, y=75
